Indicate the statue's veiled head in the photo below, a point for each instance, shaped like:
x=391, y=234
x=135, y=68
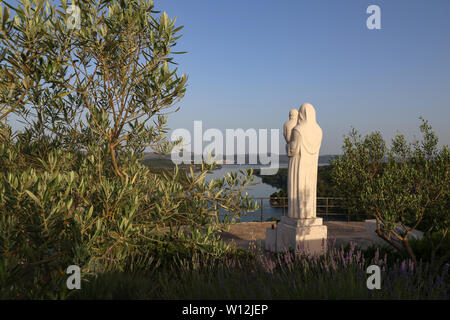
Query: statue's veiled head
x=307, y=113
x=309, y=129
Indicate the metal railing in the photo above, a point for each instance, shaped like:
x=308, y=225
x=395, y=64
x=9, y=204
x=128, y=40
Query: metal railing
x=327, y=207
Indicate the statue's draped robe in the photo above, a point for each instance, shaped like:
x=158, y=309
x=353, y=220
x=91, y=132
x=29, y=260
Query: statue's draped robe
x=303, y=161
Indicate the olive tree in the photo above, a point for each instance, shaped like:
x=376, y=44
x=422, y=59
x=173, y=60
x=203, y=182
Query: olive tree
x=28, y=60
x=96, y=89
x=105, y=80
x=120, y=60
x=404, y=187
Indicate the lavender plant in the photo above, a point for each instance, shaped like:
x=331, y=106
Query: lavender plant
x=340, y=274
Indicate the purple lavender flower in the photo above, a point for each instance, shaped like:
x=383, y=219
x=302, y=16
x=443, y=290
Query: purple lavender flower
x=333, y=265
x=388, y=283
x=411, y=266
x=445, y=268
x=403, y=266
x=358, y=255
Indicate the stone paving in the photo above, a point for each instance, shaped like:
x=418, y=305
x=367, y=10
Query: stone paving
x=246, y=233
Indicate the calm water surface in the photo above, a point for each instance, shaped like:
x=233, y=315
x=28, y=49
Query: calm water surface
x=258, y=191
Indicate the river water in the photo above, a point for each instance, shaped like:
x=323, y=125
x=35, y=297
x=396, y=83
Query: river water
x=261, y=190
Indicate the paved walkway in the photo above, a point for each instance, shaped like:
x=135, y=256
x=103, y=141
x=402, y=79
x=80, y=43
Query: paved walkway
x=244, y=233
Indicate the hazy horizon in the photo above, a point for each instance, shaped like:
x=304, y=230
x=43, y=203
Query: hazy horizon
x=250, y=62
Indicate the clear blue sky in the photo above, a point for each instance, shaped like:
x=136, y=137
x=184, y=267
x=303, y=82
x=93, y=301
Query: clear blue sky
x=250, y=62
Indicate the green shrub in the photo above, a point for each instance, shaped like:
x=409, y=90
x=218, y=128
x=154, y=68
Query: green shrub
x=70, y=209
x=404, y=187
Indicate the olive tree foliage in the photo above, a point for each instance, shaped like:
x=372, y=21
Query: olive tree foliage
x=52, y=216
x=403, y=187
x=120, y=61
x=109, y=78
x=27, y=58
x=72, y=188
x=34, y=76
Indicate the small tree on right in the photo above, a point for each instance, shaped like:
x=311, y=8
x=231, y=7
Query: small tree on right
x=403, y=187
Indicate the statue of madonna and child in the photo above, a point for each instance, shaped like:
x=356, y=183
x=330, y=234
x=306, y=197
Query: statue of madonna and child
x=301, y=229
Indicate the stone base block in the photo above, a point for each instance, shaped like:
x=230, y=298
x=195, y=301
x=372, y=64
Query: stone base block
x=271, y=239
x=308, y=235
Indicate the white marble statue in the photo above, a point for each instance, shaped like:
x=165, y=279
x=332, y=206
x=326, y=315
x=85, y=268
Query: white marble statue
x=290, y=124
x=303, y=151
x=301, y=229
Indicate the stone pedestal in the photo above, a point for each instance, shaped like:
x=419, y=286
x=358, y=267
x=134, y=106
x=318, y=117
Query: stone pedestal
x=271, y=239
x=308, y=235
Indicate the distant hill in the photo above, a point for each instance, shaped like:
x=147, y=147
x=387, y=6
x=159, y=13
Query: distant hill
x=325, y=159
x=152, y=155
x=282, y=158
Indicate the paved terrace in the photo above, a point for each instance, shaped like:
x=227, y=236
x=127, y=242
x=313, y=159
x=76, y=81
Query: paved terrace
x=244, y=233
